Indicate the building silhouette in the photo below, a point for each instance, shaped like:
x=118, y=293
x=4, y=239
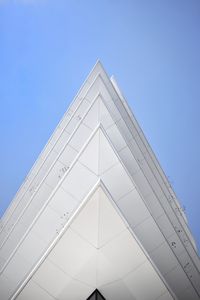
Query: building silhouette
x=96, y=217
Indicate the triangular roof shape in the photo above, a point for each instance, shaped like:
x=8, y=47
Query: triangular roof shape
x=97, y=212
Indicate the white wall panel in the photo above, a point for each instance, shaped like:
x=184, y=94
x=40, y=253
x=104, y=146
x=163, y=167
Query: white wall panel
x=33, y=292
x=144, y=283
x=132, y=254
x=61, y=141
x=190, y=294
x=79, y=139
x=2, y=261
x=190, y=269
x=71, y=253
x=11, y=242
x=77, y=116
x=124, y=130
x=153, y=205
x=48, y=162
x=165, y=225
x=15, y=216
x=6, y=287
x=76, y=291
x=92, y=118
x=40, y=198
x=94, y=90
x=32, y=248
x=105, y=117
x=17, y=269
x=117, y=291
x=110, y=105
x=133, y=208
x=63, y=203
x=34, y=206
x=175, y=244
x=110, y=225
x=47, y=224
x=178, y=282
x=117, y=181
x=164, y=258
x=57, y=172
x=88, y=273
x=116, y=137
x=142, y=184
x=139, y=156
x=107, y=157
x=79, y=181
x=149, y=234
x=166, y=296
x=67, y=156
x=25, y=221
x=103, y=263
x=87, y=223
x=90, y=155
x=129, y=161
x=46, y=277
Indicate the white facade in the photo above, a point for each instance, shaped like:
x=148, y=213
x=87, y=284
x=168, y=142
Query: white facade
x=97, y=211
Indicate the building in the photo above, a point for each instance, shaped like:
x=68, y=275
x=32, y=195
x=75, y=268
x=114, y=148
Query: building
x=96, y=215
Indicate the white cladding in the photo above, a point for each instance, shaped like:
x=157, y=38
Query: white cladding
x=97, y=211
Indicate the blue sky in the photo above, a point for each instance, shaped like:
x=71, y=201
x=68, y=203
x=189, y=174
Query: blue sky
x=152, y=47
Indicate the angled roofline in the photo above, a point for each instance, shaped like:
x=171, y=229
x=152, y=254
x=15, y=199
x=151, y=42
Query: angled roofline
x=90, y=79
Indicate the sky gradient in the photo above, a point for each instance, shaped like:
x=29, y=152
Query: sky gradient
x=152, y=47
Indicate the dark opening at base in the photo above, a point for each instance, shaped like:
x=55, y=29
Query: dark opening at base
x=96, y=295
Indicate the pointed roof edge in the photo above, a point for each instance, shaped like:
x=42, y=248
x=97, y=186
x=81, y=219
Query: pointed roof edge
x=11, y=206
x=99, y=69
x=155, y=161
x=145, y=141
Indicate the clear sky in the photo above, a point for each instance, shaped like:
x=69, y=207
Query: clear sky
x=152, y=47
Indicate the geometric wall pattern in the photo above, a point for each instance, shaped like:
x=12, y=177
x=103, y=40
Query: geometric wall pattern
x=96, y=212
